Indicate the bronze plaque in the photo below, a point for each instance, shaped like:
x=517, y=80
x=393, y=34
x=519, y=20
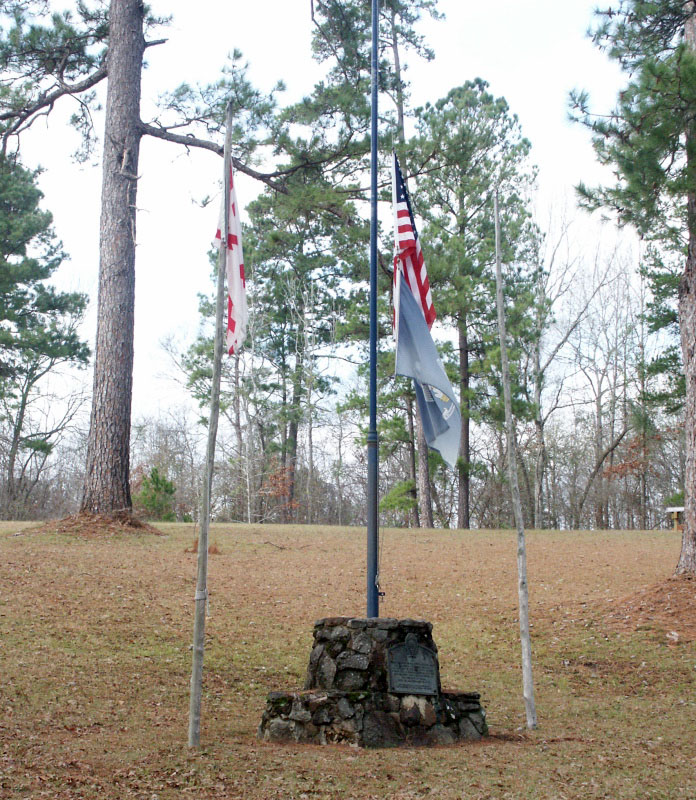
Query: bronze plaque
x=412, y=668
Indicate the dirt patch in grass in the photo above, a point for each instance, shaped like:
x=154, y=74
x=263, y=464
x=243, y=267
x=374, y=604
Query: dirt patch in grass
x=97, y=526
x=669, y=606
x=213, y=549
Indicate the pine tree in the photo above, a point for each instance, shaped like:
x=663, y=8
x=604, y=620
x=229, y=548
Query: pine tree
x=649, y=140
x=50, y=56
x=468, y=144
x=38, y=325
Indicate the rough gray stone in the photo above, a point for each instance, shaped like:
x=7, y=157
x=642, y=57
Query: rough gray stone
x=345, y=708
x=439, y=734
x=467, y=730
x=279, y=703
x=386, y=624
x=315, y=701
x=393, y=703
x=279, y=730
x=362, y=643
x=382, y=730
x=339, y=634
x=410, y=715
x=380, y=635
x=429, y=715
x=331, y=622
x=299, y=713
x=315, y=655
x=326, y=672
x=350, y=680
x=321, y=716
x=416, y=710
x=347, y=725
x=478, y=718
x=334, y=649
x=349, y=660
x=416, y=623
x=306, y=733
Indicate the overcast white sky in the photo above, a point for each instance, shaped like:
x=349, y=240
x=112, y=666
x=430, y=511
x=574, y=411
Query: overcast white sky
x=532, y=52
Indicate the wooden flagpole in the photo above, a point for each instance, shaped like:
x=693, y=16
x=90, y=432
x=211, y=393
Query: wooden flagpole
x=523, y=589
x=194, y=730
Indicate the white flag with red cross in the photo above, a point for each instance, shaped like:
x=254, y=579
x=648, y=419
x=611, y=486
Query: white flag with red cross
x=237, y=313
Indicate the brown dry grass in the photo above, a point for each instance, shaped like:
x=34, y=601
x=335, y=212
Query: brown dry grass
x=96, y=657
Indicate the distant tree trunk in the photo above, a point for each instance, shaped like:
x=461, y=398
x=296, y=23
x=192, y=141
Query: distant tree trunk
x=687, y=323
x=293, y=434
x=12, y=489
x=107, y=477
x=540, y=459
x=539, y=473
x=240, y=468
x=426, y=503
x=310, y=458
x=464, y=483
x=599, y=482
x=412, y=460
x=339, y=470
x=424, y=508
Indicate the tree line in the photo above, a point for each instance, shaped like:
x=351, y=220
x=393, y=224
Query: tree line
x=599, y=395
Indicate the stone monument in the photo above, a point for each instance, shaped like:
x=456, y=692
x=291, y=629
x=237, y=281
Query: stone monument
x=373, y=683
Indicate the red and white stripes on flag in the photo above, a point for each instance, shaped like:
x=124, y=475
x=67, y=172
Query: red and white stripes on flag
x=237, y=314
x=408, y=257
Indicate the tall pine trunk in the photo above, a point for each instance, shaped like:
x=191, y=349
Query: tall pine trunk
x=412, y=460
x=687, y=324
x=424, y=503
x=107, y=477
x=464, y=467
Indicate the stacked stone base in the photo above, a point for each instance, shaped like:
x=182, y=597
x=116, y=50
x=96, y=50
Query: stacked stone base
x=351, y=696
x=372, y=718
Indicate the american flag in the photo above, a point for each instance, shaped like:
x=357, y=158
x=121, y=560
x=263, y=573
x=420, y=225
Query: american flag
x=237, y=313
x=408, y=256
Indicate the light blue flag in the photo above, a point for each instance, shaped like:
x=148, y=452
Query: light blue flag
x=417, y=358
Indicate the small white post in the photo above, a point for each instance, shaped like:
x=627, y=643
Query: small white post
x=194, y=730
x=523, y=591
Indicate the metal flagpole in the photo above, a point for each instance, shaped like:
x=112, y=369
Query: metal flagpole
x=372, y=438
x=194, y=730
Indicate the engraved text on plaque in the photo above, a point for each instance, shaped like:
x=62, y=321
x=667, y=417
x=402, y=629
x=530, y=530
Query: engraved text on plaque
x=412, y=668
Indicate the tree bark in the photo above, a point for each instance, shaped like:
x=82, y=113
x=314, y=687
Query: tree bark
x=464, y=483
x=425, y=499
x=293, y=434
x=687, y=325
x=687, y=322
x=412, y=460
x=522, y=585
x=107, y=477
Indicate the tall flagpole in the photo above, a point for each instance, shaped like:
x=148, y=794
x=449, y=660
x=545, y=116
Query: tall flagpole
x=194, y=730
x=372, y=438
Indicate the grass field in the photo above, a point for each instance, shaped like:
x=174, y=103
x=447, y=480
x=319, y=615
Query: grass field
x=96, y=659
